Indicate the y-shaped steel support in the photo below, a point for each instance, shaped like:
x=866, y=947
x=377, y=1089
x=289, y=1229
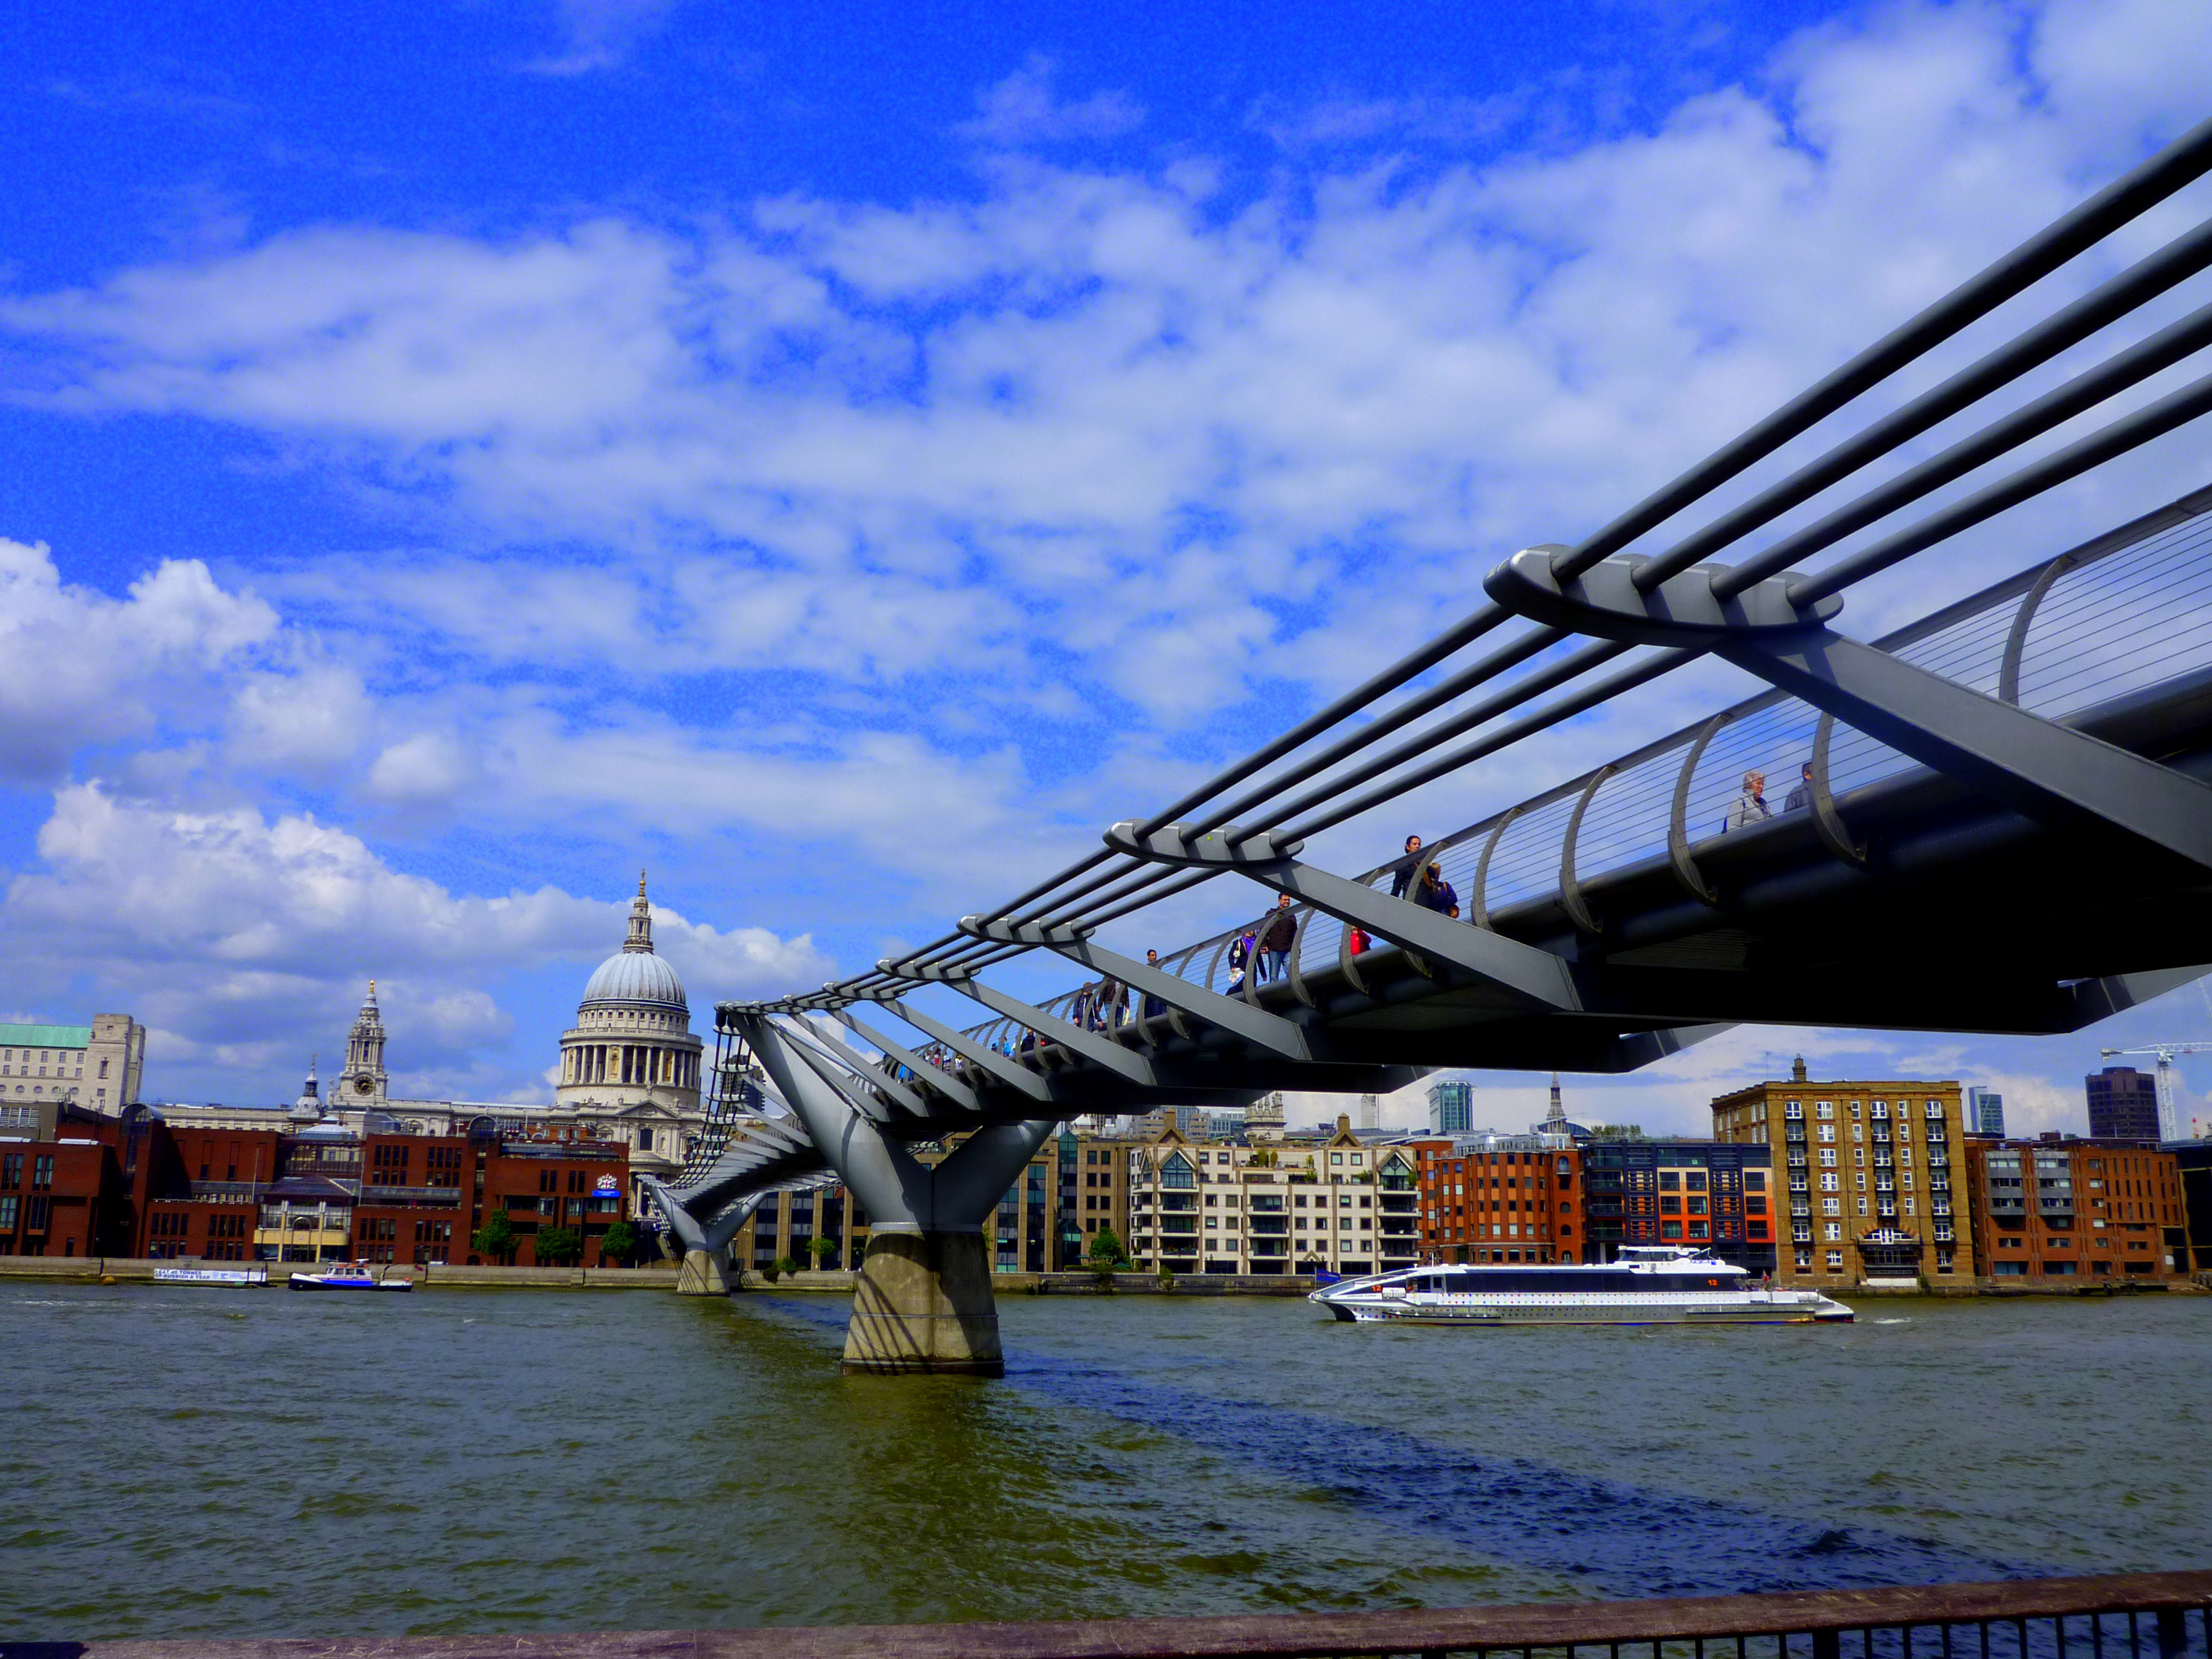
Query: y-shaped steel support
x=923, y=1301
x=706, y=1269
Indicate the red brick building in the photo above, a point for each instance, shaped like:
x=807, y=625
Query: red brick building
x=76, y=1184
x=2075, y=1211
x=423, y=1199
x=199, y=1190
x=1521, y=1206
x=64, y=1196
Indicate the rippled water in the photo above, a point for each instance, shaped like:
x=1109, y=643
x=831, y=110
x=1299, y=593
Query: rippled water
x=212, y=1463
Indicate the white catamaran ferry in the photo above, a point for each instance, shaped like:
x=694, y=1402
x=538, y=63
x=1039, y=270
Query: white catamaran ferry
x=1650, y=1285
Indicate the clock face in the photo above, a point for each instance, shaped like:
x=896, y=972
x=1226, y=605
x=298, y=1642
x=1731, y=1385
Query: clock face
x=364, y=1085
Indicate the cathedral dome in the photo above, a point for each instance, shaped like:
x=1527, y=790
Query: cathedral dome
x=634, y=978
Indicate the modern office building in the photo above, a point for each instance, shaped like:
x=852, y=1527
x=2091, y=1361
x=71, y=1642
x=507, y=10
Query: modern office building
x=2192, y=1162
x=1868, y=1168
x=1984, y=1112
x=2122, y=1105
x=1451, y=1107
x=1711, y=1195
x=2076, y=1211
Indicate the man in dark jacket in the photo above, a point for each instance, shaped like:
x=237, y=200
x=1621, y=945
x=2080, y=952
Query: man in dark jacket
x=1153, y=1005
x=1277, y=938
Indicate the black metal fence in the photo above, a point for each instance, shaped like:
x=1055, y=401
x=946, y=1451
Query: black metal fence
x=2140, y=1615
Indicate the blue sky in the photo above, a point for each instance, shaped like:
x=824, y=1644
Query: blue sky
x=460, y=452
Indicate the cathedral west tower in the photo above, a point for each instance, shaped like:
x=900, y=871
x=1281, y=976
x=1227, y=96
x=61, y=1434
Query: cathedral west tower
x=363, y=1082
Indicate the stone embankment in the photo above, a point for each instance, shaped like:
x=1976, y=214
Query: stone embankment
x=661, y=1276
x=95, y=1269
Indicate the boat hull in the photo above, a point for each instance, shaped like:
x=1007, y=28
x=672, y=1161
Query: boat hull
x=1493, y=1317
x=317, y=1282
x=1648, y=1284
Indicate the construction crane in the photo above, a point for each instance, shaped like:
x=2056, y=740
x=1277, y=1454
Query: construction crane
x=2169, y=1108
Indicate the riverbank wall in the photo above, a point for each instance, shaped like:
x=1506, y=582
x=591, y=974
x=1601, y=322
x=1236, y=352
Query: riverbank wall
x=135, y=1270
x=661, y=1276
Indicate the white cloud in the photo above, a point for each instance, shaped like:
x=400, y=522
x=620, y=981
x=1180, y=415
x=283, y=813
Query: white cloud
x=1024, y=109
x=224, y=927
x=1104, y=422
x=599, y=34
x=89, y=669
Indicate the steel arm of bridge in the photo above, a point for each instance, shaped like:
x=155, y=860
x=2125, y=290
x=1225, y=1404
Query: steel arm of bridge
x=900, y=1193
x=1010, y=1073
x=926, y=1075
x=846, y=1089
x=2049, y=772
x=714, y=1234
x=1102, y=1052
x=1529, y=974
x=812, y=1049
x=1255, y=1025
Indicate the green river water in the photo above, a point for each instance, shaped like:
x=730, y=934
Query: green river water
x=186, y=1461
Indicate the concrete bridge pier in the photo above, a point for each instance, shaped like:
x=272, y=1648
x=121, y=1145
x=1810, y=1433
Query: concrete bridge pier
x=924, y=1301
x=706, y=1269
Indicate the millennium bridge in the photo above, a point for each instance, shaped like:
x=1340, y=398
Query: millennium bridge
x=1995, y=818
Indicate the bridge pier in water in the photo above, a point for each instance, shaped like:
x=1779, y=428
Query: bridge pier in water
x=923, y=1300
x=704, y=1273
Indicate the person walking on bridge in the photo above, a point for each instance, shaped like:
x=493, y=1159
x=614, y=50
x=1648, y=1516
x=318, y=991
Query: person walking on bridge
x=1153, y=1005
x=1280, y=932
x=1801, y=796
x=1437, y=893
x=1404, y=879
x=1751, y=805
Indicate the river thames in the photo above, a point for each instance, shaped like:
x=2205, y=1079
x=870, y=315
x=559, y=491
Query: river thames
x=205, y=1463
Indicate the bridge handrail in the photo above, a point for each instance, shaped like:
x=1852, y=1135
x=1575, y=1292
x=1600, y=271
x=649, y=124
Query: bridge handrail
x=2172, y=536
x=2149, y=1615
x=2191, y=512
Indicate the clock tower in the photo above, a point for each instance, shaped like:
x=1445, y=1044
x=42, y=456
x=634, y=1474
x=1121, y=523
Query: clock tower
x=363, y=1082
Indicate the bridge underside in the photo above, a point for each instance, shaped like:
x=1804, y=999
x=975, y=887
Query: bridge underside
x=2020, y=841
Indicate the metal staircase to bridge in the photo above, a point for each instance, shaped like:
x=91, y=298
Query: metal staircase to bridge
x=1995, y=819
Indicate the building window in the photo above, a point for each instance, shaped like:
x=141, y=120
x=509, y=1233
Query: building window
x=1832, y=1232
x=1823, y=1108
x=1835, y=1262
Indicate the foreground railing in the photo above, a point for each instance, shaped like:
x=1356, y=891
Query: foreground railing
x=2159, y=1615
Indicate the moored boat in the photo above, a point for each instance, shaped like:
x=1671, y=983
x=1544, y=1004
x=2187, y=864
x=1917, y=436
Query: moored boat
x=348, y=1279
x=1650, y=1285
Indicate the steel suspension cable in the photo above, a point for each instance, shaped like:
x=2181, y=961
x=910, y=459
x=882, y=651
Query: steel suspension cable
x=2154, y=420
x=1512, y=655
x=2179, y=259
x=1550, y=715
x=1574, y=664
x=2161, y=351
x=2187, y=159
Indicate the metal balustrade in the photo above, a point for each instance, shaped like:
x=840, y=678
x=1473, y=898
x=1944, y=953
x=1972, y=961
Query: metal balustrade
x=2155, y=1615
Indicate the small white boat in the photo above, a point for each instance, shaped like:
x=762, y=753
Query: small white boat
x=1650, y=1285
x=348, y=1279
